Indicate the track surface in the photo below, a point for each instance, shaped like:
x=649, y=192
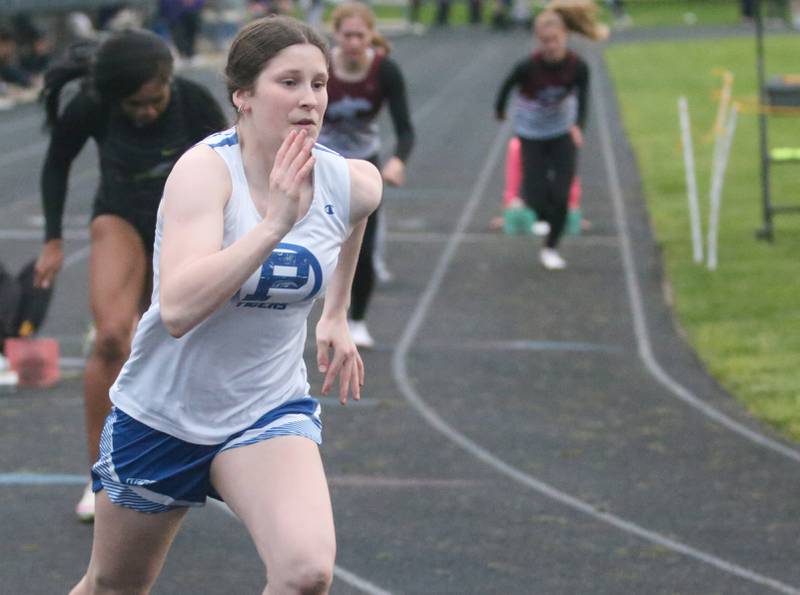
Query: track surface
x=522, y=431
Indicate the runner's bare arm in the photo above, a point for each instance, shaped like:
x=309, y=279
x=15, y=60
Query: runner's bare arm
x=196, y=274
x=332, y=331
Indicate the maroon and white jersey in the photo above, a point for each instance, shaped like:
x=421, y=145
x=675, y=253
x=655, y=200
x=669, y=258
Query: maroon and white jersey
x=351, y=125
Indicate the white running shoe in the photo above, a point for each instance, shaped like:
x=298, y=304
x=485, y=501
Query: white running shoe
x=360, y=334
x=85, y=507
x=540, y=228
x=551, y=260
x=383, y=274
x=87, y=345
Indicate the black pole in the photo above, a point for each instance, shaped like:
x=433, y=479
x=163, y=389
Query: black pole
x=765, y=232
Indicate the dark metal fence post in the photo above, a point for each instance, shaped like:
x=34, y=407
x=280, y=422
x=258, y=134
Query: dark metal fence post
x=766, y=231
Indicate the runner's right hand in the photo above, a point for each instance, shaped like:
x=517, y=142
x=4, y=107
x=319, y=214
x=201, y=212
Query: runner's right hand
x=290, y=174
x=50, y=261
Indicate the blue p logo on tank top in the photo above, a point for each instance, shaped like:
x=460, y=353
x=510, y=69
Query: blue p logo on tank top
x=291, y=274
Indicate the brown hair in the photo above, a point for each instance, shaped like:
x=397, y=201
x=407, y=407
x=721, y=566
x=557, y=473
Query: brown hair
x=578, y=16
x=345, y=10
x=258, y=42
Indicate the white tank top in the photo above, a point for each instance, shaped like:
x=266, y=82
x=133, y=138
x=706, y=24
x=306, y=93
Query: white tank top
x=247, y=357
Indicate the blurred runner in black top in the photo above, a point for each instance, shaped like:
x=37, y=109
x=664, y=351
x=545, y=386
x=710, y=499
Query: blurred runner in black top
x=550, y=113
x=142, y=119
x=362, y=78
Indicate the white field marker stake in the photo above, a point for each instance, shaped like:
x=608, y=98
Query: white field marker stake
x=716, y=188
x=718, y=131
x=691, y=179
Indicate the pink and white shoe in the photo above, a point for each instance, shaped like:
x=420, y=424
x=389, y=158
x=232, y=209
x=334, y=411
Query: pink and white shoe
x=85, y=507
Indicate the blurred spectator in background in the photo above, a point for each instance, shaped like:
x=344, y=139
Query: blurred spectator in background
x=120, y=18
x=748, y=10
x=314, y=10
x=182, y=19
x=79, y=27
x=621, y=18
x=413, y=11
x=261, y=8
x=33, y=47
x=775, y=12
x=106, y=14
x=501, y=14
x=442, y=13
x=475, y=12
x=12, y=74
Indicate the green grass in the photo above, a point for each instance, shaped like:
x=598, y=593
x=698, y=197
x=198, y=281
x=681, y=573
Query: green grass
x=744, y=319
x=666, y=13
x=459, y=14
x=645, y=13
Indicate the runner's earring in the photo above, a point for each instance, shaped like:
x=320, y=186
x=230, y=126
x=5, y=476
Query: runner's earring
x=240, y=109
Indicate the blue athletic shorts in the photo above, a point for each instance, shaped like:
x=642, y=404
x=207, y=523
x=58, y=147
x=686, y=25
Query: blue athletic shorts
x=150, y=471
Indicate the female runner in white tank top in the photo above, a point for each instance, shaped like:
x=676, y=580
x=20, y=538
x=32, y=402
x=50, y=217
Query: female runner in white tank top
x=256, y=222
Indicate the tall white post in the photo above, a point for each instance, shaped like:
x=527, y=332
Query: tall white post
x=716, y=189
x=691, y=179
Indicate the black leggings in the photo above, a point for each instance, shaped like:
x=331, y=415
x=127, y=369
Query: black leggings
x=548, y=167
x=364, y=278
x=184, y=32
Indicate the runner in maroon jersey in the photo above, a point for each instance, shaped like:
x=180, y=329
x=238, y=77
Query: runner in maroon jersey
x=363, y=77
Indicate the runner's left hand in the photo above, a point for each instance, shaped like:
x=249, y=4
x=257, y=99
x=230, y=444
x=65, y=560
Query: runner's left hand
x=577, y=136
x=394, y=172
x=334, y=334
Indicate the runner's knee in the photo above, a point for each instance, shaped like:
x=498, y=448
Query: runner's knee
x=307, y=573
x=112, y=341
x=111, y=583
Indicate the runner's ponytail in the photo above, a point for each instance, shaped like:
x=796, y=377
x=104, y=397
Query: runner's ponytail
x=578, y=16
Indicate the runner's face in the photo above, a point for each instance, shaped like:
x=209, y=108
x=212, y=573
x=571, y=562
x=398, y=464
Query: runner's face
x=353, y=37
x=553, y=42
x=148, y=103
x=291, y=92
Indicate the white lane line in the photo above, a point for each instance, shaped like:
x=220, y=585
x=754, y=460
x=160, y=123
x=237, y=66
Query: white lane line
x=446, y=94
x=22, y=478
x=77, y=256
x=75, y=181
x=72, y=363
x=401, y=377
x=357, y=582
x=342, y=574
x=36, y=234
x=38, y=479
x=36, y=148
x=641, y=330
x=521, y=345
x=489, y=236
x=374, y=481
x=26, y=123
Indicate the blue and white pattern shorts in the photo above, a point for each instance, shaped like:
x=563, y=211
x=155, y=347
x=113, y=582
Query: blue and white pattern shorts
x=150, y=471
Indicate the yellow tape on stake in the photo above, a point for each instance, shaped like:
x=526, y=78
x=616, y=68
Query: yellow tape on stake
x=785, y=154
x=752, y=106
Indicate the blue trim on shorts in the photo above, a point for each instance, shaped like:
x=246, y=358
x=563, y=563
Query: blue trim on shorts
x=151, y=471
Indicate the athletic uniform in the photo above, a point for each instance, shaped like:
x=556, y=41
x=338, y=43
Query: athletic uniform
x=551, y=98
x=236, y=378
x=134, y=161
x=351, y=128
